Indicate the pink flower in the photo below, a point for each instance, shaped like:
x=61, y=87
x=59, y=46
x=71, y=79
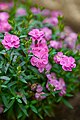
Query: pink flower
x=73, y=35
x=48, y=67
x=36, y=34
x=39, y=88
x=39, y=50
x=40, y=55
x=5, y=6
x=51, y=20
x=40, y=96
x=35, y=10
x=45, y=12
x=70, y=40
x=56, y=13
x=4, y=16
x=67, y=62
x=67, y=30
x=21, y=12
x=56, y=44
x=63, y=87
x=5, y=26
x=10, y=41
x=62, y=35
x=57, y=58
x=40, y=61
x=56, y=84
x=34, y=61
x=52, y=80
x=48, y=33
x=51, y=76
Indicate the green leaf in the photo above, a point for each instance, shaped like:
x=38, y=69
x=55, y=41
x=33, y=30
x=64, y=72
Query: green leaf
x=29, y=77
x=67, y=103
x=33, y=69
x=19, y=115
x=23, y=80
x=23, y=109
x=9, y=105
x=4, y=99
x=60, y=98
x=4, y=78
x=19, y=101
x=33, y=109
x=24, y=99
x=40, y=116
x=23, y=36
x=3, y=86
x=3, y=52
x=6, y=67
x=34, y=102
x=69, y=95
x=12, y=84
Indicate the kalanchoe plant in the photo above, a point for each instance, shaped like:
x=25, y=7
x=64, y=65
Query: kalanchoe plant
x=39, y=62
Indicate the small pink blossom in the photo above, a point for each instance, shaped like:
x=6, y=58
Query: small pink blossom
x=36, y=34
x=68, y=63
x=39, y=88
x=70, y=40
x=63, y=87
x=45, y=12
x=56, y=44
x=48, y=67
x=40, y=96
x=5, y=6
x=5, y=26
x=10, y=41
x=4, y=16
x=35, y=10
x=21, y=12
x=56, y=13
x=51, y=76
x=40, y=61
x=56, y=84
x=57, y=58
x=47, y=32
x=51, y=20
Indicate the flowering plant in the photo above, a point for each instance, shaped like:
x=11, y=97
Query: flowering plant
x=39, y=61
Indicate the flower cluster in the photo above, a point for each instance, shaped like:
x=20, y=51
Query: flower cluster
x=10, y=41
x=67, y=62
x=39, y=49
x=56, y=44
x=56, y=84
x=4, y=25
x=39, y=95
